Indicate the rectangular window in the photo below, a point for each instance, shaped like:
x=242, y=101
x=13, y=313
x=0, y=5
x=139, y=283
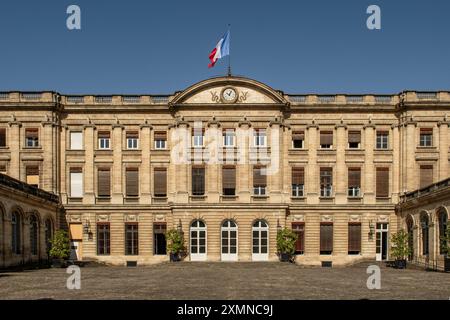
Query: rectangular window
x=259, y=181
x=228, y=138
x=326, y=139
x=132, y=140
x=354, y=238
x=326, y=182
x=426, y=176
x=76, y=183
x=131, y=239
x=382, y=140
x=229, y=181
x=2, y=137
x=354, y=139
x=32, y=137
x=32, y=173
x=197, y=137
x=160, y=139
x=3, y=169
x=198, y=181
x=104, y=182
x=382, y=183
x=299, y=230
x=104, y=140
x=426, y=137
x=132, y=182
x=326, y=238
x=298, y=182
x=354, y=182
x=298, y=138
x=259, y=137
x=103, y=239
x=76, y=140
x=160, y=182
x=159, y=239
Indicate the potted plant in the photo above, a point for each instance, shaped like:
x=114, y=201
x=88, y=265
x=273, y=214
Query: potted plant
x=400, y=249
x=446, y=246
x=60, y=248
x=286, y=239
x=175, y=244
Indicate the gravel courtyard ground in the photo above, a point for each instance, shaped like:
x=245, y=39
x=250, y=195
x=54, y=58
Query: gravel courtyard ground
x=188, y=280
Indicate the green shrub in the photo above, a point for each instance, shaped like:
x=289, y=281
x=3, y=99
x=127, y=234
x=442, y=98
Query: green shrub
x=400, y=249
x=175, y=241
x=286, y=239
x=60, y=245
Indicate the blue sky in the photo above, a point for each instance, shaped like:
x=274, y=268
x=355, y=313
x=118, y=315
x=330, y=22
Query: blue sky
x=142, y=46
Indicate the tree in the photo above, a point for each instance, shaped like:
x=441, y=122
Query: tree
x=286, y=239
x=60, y=245
x=175, y=242
x=400, y=249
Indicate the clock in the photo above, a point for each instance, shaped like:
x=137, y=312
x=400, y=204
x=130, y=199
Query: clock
x=229, y=95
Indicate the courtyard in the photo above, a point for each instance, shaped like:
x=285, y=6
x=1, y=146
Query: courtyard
x=254, y=281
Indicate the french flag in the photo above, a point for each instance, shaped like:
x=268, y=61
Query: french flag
x=221, y=50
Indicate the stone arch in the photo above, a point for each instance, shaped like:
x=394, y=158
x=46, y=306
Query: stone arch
x=442, y=219
x=17, y=230
x=424, y=226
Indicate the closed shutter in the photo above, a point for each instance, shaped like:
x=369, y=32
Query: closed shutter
x=229, y=178
x=76, y=140
x=299, y=230
x=198, y=181
x=354, y=177
x=426, y=130
x=2, y=137
x=104, y=182
x=354, y=237
x=103, y=134
x=326, y=137
x=426, y=176
x=32, y=133
x=132, y=182
x=298, y=176
x=132, y=135
x=160, y=182
x=298, y=135
x=326, y=237
x=160, y=135
x=76, y=183
x=32, y=175
x=259, y=177
x=382, y=182
x=354, y=137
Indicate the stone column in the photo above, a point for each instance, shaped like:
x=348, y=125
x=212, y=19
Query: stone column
x=276, y=162
x=213, y=168
x=48, y=182
x=412, y=182
x=62, y=170
x=88, y=183
x=182, y=166
x=443, y=150
x=145, y=172
x=244, y=167
x=396, y=164
x=341, y=174
x=312, y=171
x=117, y=172
x=369, y=168
x=14, y=143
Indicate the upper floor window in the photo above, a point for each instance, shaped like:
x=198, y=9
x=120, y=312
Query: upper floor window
x=229, y=181
x=76, y=182
x=2, y=137
x=132, y=182
x=382, y=183
x=3, y=169
x=354, y=139
x=298, y=182
x=326, y=139
x=298, y=140
x=160, y=182
x=259, y=138
x=259, y=181
x=198, y=181
x=354, y=182
x=104, y=182
x=382, y=140
x=132, y=140
x=326, y=182
x=426, y=175
x=197, y=137
x=104, y=140
x=32, y=175
x=32, y=137
x=76, y=140
x=426, y=137
x=228, y=138
x=160, y=140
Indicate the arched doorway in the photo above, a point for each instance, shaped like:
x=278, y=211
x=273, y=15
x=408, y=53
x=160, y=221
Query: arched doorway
x=198, y=241
x=48, y=234
x=260, y=232
x=410, y=231
x=16, y=233
x=229, y=251
x=424, y=226
x=443, y=225
x=34, y=235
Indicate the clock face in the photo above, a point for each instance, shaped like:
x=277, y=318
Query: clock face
x=229, y=95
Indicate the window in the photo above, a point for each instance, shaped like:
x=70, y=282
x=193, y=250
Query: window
x=160, y=182
x=16, y=236
x=229, y=247
x=259, y=181
x=2, y=137
x=424, y=226
x=354, y=238
x=260, y=235
x=228, y=138
x=132, y=140
x=197, y=137
x=76, y=183
x=48, y=234
x=159, y=239
x=103, y=239
x=228, y=181
x=259, y=137
x=131, y=239
x=32, y=173
x=382, y=140
x=354, y=182
x=426, y=176
x=426, y=137
x=326, y=139
x=382, y=187
x=443, y=225
x=104, y=140
x=34, y=232
x=32, y=137
x=298, y=182
x=104, y=182
x=160, y=139
x=298, y=138
x=3, y=169
x=299, y=230
x=76, y=140
x=198, y=181
x=198, y=240
x=354, y=139
x=132, y=182
x=326, y=182
x=326, y=238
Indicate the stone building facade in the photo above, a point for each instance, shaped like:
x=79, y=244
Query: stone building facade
x=228, y=161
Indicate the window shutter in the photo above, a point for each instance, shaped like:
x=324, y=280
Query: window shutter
x=299, y=229
x=32, y=175
x=229, y=178
x=298, y=135
x=198, y=180
x=132, y=182
x=326, y=137
x=426, y=176
x=354, y=237
x=326, y=237
x=383, y=182
x=160, y=182
x=354, y=177
x=76, y=183
x=2, y=137
x=426, y=130
x=354, y=137
x=76, y=140
x=104, y=182
x=259, y=179
x=103, y=134
x=298, y=175
x=32, y=133
x=132, y=135
x=160, y=135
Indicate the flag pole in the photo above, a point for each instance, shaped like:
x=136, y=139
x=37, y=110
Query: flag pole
x=229, y=55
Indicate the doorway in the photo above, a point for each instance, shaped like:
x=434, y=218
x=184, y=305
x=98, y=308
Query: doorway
x=260, y=241
x=159, y=239
x=198, y=241
x=229, y=241
x=382, y=239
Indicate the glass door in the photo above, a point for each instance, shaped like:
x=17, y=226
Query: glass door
x=382, y=240
x=229, y=241
x=198, y=241
x=260, y=241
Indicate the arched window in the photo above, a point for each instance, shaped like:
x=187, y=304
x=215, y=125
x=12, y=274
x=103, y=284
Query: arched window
x=34, y=232
x=229, y=241
x=410, y=230
x=48, y=234
x=424, y=224
x=198, y=241
x=443, y=224
x=260, y=232
x=15, y=233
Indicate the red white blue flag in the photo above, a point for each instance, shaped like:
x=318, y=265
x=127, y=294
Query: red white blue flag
x=221, y=50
